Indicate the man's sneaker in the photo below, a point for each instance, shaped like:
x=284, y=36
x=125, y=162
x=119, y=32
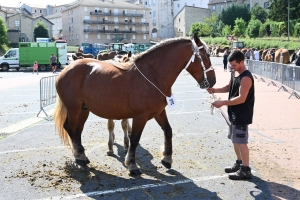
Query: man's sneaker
x=243, y=173
x=234, y=168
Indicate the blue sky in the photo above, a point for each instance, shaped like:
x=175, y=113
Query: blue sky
x=15, y=3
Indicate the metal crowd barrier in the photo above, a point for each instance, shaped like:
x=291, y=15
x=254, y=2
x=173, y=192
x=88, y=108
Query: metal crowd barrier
x=47, y=92
x=282, y=75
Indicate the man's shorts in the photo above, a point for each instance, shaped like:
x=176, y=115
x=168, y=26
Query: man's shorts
x=53, y=64
x=238, y=134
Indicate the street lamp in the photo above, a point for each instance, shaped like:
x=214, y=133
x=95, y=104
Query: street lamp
x=226, y=3
x=20, y=15
x=288, y=20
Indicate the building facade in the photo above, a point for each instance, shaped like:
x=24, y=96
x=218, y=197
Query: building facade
x=218, y=5
x=161, y=17
x=25, y=25
x=179, y=4
x=94, y=21
x=186, y=17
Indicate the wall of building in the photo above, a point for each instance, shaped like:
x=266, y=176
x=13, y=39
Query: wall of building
x=186, y=17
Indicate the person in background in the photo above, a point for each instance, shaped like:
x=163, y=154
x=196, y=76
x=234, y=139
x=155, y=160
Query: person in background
x=256, y=54
x=53, y=62
x=35, y=67
x=225, y=61
x=240, y=106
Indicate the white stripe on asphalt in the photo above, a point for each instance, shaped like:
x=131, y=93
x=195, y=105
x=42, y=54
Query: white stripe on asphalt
x=23, y=124
x=96, y=193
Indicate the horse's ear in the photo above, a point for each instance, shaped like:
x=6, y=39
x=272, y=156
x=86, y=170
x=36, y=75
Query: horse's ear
x=129, y=54
x=196, y=38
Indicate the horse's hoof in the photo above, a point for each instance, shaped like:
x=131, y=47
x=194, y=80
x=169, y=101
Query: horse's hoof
x=82, y=163
x=110, y=153
x=167, y=165
x=135, y=172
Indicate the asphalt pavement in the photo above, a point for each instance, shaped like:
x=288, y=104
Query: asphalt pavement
x=35, y=164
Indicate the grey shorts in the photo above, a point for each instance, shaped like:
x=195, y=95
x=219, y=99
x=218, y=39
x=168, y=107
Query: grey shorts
x=238, y=134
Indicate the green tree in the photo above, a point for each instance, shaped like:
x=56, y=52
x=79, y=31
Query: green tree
x=3, y=33
x=226, y=30
x=229, y=15
x=260, y=13
x=253, y=27
x=40, y=30
x=239, y=27
x=279, y=10
x=211, y=24
x=195, y=28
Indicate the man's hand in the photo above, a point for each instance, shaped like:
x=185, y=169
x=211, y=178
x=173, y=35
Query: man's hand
x=211, y=90
x=218, y=104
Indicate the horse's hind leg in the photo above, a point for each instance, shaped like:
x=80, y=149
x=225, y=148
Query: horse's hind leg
x=162, y=120
x=127, y=132
x=74, y=125
x=111, y=139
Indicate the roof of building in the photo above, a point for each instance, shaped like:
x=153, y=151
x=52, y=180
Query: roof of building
x=28, y=16
x=184, y=7
x=105, y=3
x=55, y=15
x=41, y=6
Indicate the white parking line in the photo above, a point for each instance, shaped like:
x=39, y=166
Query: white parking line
x=118, y=190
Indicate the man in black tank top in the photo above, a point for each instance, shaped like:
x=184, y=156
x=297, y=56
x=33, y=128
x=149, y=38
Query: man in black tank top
x=240, y=106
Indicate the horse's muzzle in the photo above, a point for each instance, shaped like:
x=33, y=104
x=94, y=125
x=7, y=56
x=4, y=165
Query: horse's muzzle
x=204, y=84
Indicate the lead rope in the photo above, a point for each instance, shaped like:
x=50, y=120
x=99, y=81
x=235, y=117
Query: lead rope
x=149, y=80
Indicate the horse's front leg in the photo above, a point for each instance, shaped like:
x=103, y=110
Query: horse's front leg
x=162, y=120
x=127, y=132
x=111, y=139
x=138, y=124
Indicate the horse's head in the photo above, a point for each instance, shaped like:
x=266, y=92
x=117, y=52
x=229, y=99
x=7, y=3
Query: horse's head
x=201, y=69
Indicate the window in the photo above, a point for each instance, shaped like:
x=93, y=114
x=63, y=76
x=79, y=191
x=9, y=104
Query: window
x=76, y=36
x=214, y=8
x=98, y=27
x=56, y=20
x=145, y=37
x=248, y=6
x=133, y=37
x=86, y=36
x=145, y=3
x=87, y=27
x=85, y=9
x=179, y=20
x=154, y=2
x=41, y=11
x=17, y=23
x=154, y=13
x=222, y=7
x=98, y=36
x=266, y=5
x=178, y=5
x=154, y=22
x=108, y=36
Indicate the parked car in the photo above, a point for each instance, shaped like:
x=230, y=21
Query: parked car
x=70, y=58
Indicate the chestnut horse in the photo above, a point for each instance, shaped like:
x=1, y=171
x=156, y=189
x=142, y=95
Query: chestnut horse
x=139, y=93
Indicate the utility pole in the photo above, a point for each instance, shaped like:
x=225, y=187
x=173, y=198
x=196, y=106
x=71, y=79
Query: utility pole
x=20, y=16
x=288, y=20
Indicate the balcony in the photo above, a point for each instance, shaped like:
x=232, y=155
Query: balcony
x=115, y=14
x=87, y=21
x=114, y=31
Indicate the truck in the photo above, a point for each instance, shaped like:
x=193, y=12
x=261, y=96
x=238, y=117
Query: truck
x=238, y=45
x=28, y=52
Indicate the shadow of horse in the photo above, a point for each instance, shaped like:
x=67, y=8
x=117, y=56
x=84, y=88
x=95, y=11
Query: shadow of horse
x=271, y=190
x=98, y=184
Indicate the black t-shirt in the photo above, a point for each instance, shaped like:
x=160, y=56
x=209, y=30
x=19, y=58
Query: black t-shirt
x=241, y=114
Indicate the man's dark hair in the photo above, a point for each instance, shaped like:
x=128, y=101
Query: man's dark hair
x=236, y=55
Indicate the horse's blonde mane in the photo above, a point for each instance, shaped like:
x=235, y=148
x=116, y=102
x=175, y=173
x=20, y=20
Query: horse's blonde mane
x=128, y=65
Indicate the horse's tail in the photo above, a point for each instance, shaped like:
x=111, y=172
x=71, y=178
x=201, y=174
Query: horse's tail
x=60, y=115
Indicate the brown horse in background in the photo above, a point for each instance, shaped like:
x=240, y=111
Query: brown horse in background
x=138, y=93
